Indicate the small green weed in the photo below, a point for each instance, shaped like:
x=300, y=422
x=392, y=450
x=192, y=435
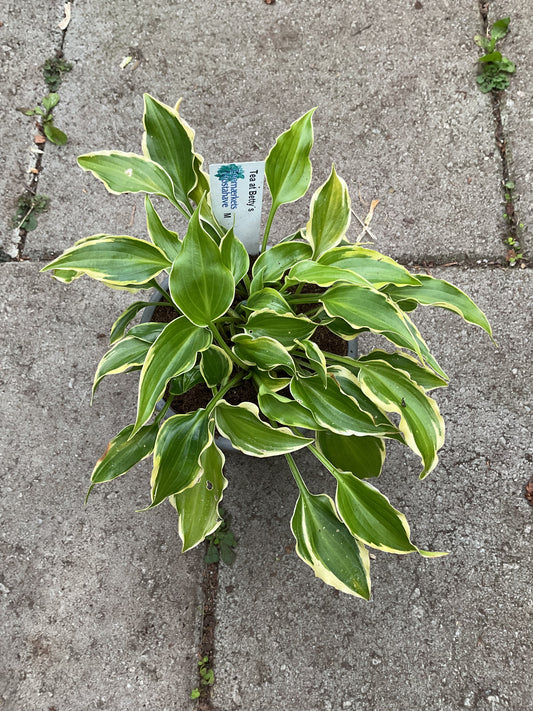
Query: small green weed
x=53, y=69
x=222, y=542
x=495, y=68
x=44, y=110
x=28, y=207
x=516, y=228
x=514, y=251
x=207, y=677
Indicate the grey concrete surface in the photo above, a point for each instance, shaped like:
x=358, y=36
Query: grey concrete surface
x=398, y=110
x=98, y=608
x=28, y=35
x=443, y=634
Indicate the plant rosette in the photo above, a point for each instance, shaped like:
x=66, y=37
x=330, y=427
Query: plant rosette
x=237, y=323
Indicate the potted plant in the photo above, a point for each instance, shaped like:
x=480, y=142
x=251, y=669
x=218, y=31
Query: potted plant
x=237, y=324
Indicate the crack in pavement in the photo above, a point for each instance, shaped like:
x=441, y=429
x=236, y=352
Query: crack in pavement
x=33, y=183
x=513, y=234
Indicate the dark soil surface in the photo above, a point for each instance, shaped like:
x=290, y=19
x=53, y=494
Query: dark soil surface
x=200, y=395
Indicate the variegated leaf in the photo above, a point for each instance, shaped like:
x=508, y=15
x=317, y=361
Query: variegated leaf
x=326, y=545
x=263, y=352
x=119, y=327
x=113, y=259
x=330, y=215
x=373, y=266
x=198, y=505
x=167, y=240
x=249, y=434
x=437, y=292
x=128, y=173
x=287, y=167
x=177, y=457
x=174, y=352
x=215, y=366
x=200, y=284
x=128, y=354
x=167, y=143
x=361, y=456
x=124, y=452
x=420, y=421
x=234, y=255
x=334, y=410
x=284, y=328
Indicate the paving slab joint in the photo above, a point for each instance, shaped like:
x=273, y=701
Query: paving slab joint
x=31, y=188
x=206, y=647
x=513, y=237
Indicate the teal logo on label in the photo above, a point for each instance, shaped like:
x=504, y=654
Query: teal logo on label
x=229, y=173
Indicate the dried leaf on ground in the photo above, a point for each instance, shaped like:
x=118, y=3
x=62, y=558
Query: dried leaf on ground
x=65, y=21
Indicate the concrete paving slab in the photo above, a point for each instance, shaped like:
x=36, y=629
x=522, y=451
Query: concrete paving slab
x=442, y=634
x=517, y=106
x=99, y=609
x=28, y=36
x=399, y=111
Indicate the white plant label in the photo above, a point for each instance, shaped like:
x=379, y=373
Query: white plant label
x=237, y=199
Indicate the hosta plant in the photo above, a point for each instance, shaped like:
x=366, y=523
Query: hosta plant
x=256, y=324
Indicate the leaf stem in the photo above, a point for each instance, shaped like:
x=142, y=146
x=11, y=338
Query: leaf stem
x=227, y=350
x=271, y=214
x=160, y=289
x=161, y=414
x=322, y=459
x=210, y=407
x=303, y=299
x=296, y=474
x=344, y=360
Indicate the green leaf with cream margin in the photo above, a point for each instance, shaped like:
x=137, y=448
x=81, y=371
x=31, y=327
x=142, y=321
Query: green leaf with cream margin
x=287, y=167
x=202, y=178
x=129, y=353
x=124, y=452
x=279, y=259
x=249, y=434
x=437, y=292
x=167, y=240
x=200, y=284
x=234, y=255
x=325, y=543
x=167, y=142
x=334, y=410
x=177, y=456
x=286, y=411
x=113, y=260
x=311, y=272
x=129, y=173
x=330, y=215
x=198, y=505
x=215, y=366
x=361, y=456
x=264, y=353
x=284, y=328
x=368, y=308
x=174, y=352
x=403, y=361
x=371, y=518
x=126, y=317
x=373, y=266
x=420, y=421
